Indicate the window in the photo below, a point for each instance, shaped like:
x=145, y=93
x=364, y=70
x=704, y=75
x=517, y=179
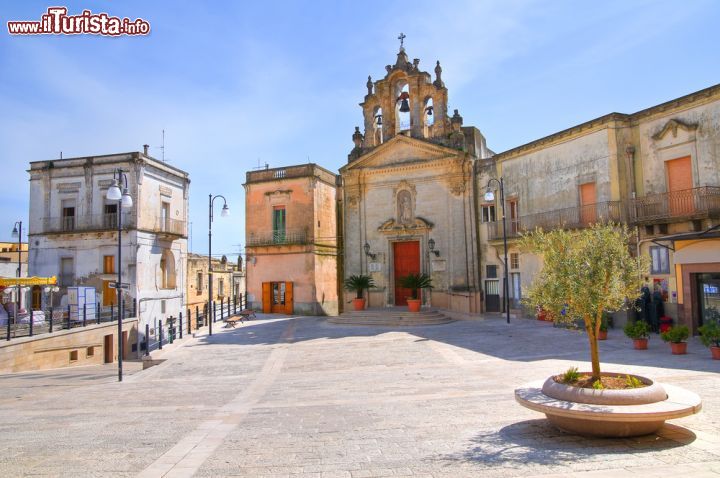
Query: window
x=165, y=217
x=199, y=283
x=68, y=215
x=67, y=272
x=221, y=288
x=491, y=271
x=514, y=260
x=649, y=230
x=167, y=270
x=487, y=212
x=515, y=290
x=278, y=223
x=109, y=294
x=108, y=264
x=660, y=258
x=110, y=216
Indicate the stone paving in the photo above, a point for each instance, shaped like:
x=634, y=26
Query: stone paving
x=288, y=397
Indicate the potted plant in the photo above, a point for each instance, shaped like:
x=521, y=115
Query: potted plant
x=415, y=282
x=639, y=332
x=359, y=283
x=604, y=324
x=677, y=337
x=710, y=337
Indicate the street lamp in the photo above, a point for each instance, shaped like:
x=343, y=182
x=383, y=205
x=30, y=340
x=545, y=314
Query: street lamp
x=224, y=213
x=124, y=202
x=17, y=234
x=490, y=196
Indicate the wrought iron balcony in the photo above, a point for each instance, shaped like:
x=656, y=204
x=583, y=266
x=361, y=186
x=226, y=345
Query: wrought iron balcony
x=688, y=204
x=278, y=238
x=92, y=222
x=567, y=218
x=170, y=227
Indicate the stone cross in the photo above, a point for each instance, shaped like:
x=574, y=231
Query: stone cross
x=402, y=39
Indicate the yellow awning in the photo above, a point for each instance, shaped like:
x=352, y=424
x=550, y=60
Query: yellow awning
x=26, y=281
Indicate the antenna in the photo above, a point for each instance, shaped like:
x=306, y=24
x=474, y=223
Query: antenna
x=260, y=166
x=162, y=148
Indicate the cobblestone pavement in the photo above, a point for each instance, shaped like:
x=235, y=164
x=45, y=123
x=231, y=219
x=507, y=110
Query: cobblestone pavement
x=300, y=397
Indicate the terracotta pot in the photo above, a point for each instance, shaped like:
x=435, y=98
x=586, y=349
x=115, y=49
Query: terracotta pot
x=679, y=348
x=602, y=335
x=715, y=352
x=358, y=304
x=640, y=344
x=414, y=305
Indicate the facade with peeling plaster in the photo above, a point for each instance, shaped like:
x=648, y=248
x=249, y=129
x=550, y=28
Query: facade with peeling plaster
x=73, y=230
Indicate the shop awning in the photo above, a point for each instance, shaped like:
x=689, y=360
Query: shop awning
x=27, y=281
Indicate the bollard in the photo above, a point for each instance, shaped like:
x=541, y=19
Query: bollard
x=147, y=339
x=32, y=319
x=160, y=333
x=51, y=319
x=134, y=307
x=112, y=311
x=97, y=312
x=180, y=328
x=222, y=305
x=189, y=321
x=68, y=319
x=84, y=315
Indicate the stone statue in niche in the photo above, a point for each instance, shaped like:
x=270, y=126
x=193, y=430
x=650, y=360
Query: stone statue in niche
x=404, y=201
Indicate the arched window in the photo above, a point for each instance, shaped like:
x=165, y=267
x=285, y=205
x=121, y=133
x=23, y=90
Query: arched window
x=428, y=117
x=402, y=107
x=377, y=126
x=167, y=270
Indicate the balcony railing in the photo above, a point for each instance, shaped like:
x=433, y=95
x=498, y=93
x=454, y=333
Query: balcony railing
x=271, y=238
x=173, y=227
x=568, y=218
x=92, y=222
x=696, y=203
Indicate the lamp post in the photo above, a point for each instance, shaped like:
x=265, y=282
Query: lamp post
x=224, y=213
x=490, y=196
x=124, y=201
x=17, y=234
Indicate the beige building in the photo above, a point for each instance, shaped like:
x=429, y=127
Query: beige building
x=292, y=240
x=408, y=198
x=657, y=170
x=228, y=283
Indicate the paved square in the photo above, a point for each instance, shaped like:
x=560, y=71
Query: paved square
x=300, y=397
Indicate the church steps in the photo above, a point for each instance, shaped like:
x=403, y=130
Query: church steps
x=390, y=317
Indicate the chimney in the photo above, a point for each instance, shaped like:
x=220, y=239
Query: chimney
x=145, y=150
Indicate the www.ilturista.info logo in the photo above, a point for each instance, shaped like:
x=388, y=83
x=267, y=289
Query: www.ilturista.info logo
x=57, y=22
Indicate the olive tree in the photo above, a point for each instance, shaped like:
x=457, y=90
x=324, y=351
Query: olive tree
x=584, y=273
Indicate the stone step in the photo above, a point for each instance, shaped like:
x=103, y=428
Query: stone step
x=390, y=318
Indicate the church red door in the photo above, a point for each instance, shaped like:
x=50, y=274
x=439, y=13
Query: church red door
x=406, y=261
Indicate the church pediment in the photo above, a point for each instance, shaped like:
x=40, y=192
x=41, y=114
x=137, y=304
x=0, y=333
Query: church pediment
x=673, y=126
x=416, y=225
x=401, y=150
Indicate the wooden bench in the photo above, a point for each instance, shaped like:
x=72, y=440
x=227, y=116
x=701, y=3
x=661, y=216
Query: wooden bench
x=247, y=314
x=232, y=321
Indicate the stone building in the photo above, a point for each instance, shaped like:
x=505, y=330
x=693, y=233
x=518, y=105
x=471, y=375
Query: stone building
x=228, y=282
x=292, y=240
x=73, y=229
x=657, y=170
x=408, y=198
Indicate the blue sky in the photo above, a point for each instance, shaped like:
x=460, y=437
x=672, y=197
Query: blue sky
x=237, y=83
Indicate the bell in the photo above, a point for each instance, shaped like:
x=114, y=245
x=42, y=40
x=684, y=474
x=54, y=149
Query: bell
x=378, y=120
x=429, y=110
x=404, y=106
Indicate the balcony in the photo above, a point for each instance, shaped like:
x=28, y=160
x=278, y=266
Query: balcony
x=169, y=227
x=93, y=222
x=685, y=205
x=278, y=238
x=568, y=218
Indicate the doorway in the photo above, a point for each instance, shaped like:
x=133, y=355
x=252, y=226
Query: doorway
x=108, y=348
x=406, y=258
x=680, y=183
x=492, y=295
x=708, y=290
x=277, y=297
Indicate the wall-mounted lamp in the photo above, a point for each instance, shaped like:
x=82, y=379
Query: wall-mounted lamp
x=431, y=245
x=252, y=260
x=367, y=251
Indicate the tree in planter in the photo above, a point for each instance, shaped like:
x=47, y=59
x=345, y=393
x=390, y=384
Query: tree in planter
x=359, y=283
x=414, y=282
x=584, y=273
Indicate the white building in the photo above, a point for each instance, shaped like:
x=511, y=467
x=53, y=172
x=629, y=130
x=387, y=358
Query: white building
x=73, y=230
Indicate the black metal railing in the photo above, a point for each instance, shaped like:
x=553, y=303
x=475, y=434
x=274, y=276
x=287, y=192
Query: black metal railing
x=278, y=237
x=696, y=203
x=54, y=319
x=567, y=218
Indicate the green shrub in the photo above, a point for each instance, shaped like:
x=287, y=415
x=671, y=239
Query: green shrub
x=637, y=330
x=676, y=334
x=358, y=284
x=598, y=385
x=633, y=382
x=415, y=282
x=710, y=334
x=571, y=375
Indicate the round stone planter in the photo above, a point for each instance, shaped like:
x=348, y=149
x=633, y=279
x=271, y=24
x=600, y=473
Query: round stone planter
x=640, y=344
x=678, y=348
x=608, y=413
